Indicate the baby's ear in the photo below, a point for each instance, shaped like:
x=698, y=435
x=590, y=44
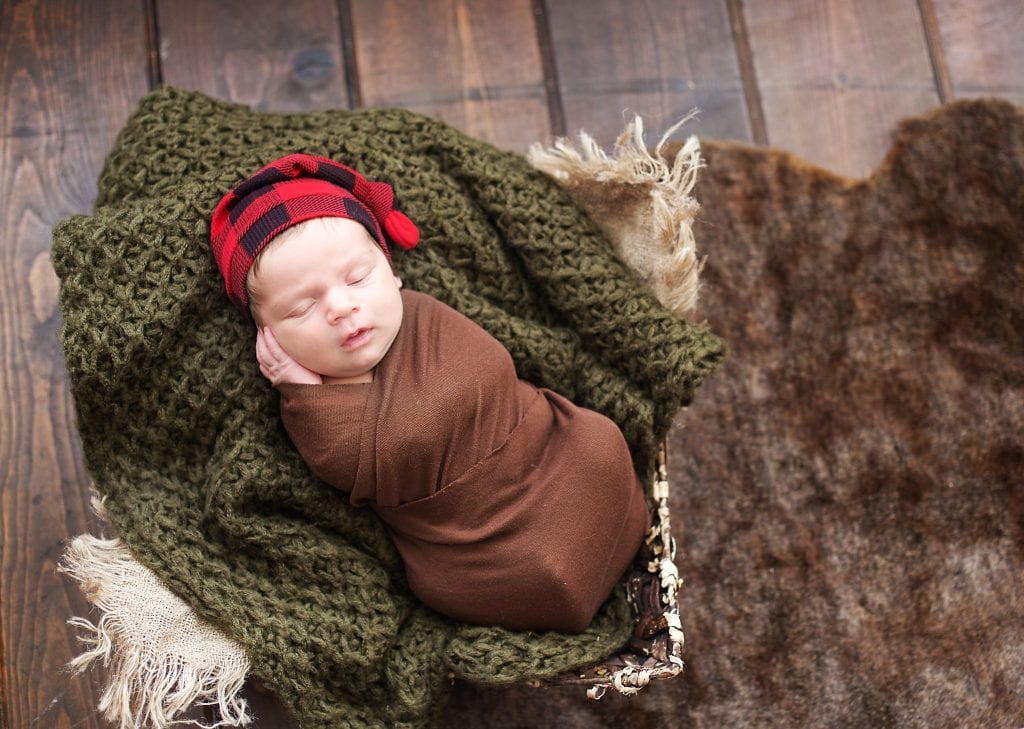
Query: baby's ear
x=398, y=281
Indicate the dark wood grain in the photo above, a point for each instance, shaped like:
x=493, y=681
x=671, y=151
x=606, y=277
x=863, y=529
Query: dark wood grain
x=656, y=58
x=984, y=47
x=832, y=78
x=745, y=57
x=936, y=53
x=836, y=76
x=68, y=79
x=270, y=55
x=474, y=63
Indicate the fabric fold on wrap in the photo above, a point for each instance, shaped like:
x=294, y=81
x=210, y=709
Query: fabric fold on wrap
x=509, y=505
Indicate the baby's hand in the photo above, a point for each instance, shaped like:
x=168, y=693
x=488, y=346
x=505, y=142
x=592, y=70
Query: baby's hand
x=276, y=364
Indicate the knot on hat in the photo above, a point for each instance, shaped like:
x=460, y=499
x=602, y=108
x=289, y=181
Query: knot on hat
x=401, y=230
x=286, y=192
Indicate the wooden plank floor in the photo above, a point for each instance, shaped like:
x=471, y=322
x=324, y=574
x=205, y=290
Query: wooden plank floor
x=827, y=79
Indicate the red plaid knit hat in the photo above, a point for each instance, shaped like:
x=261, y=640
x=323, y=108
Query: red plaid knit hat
x=286, y=192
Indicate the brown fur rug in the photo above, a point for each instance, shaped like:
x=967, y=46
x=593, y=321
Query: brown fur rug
x=849, y=488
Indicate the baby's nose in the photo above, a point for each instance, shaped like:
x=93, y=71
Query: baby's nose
x=340, y=303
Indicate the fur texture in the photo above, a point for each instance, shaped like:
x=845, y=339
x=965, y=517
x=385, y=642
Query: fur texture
x=849, y=491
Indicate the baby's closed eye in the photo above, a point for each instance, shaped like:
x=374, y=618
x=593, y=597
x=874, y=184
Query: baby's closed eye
x=302, y=309
x=360, y=275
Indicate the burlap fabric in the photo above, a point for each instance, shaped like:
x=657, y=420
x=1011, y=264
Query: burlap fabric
x=182, y=437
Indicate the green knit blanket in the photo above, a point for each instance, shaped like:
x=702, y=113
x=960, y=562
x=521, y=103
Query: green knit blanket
x=181, y=433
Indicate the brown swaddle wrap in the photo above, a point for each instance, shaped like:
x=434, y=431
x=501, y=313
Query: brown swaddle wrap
x=509, y=505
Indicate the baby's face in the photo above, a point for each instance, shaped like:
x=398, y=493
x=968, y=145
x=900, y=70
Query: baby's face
x=329, y=296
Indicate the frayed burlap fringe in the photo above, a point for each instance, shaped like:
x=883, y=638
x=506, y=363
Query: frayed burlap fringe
x=161, y=659
x=642, y=203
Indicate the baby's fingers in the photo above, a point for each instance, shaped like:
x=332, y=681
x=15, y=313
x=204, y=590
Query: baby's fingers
x=263, y=355
x=272, y=345
x=274, y=351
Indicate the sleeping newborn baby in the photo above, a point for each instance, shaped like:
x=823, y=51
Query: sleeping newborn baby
x=509, y=505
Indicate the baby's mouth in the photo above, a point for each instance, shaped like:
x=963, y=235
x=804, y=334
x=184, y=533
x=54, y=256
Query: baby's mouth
x=357, y=338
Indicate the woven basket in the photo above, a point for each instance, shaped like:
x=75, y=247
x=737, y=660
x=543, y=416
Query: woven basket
x=655, y=649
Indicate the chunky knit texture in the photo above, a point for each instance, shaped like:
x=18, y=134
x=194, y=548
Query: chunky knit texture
x=181, y=434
